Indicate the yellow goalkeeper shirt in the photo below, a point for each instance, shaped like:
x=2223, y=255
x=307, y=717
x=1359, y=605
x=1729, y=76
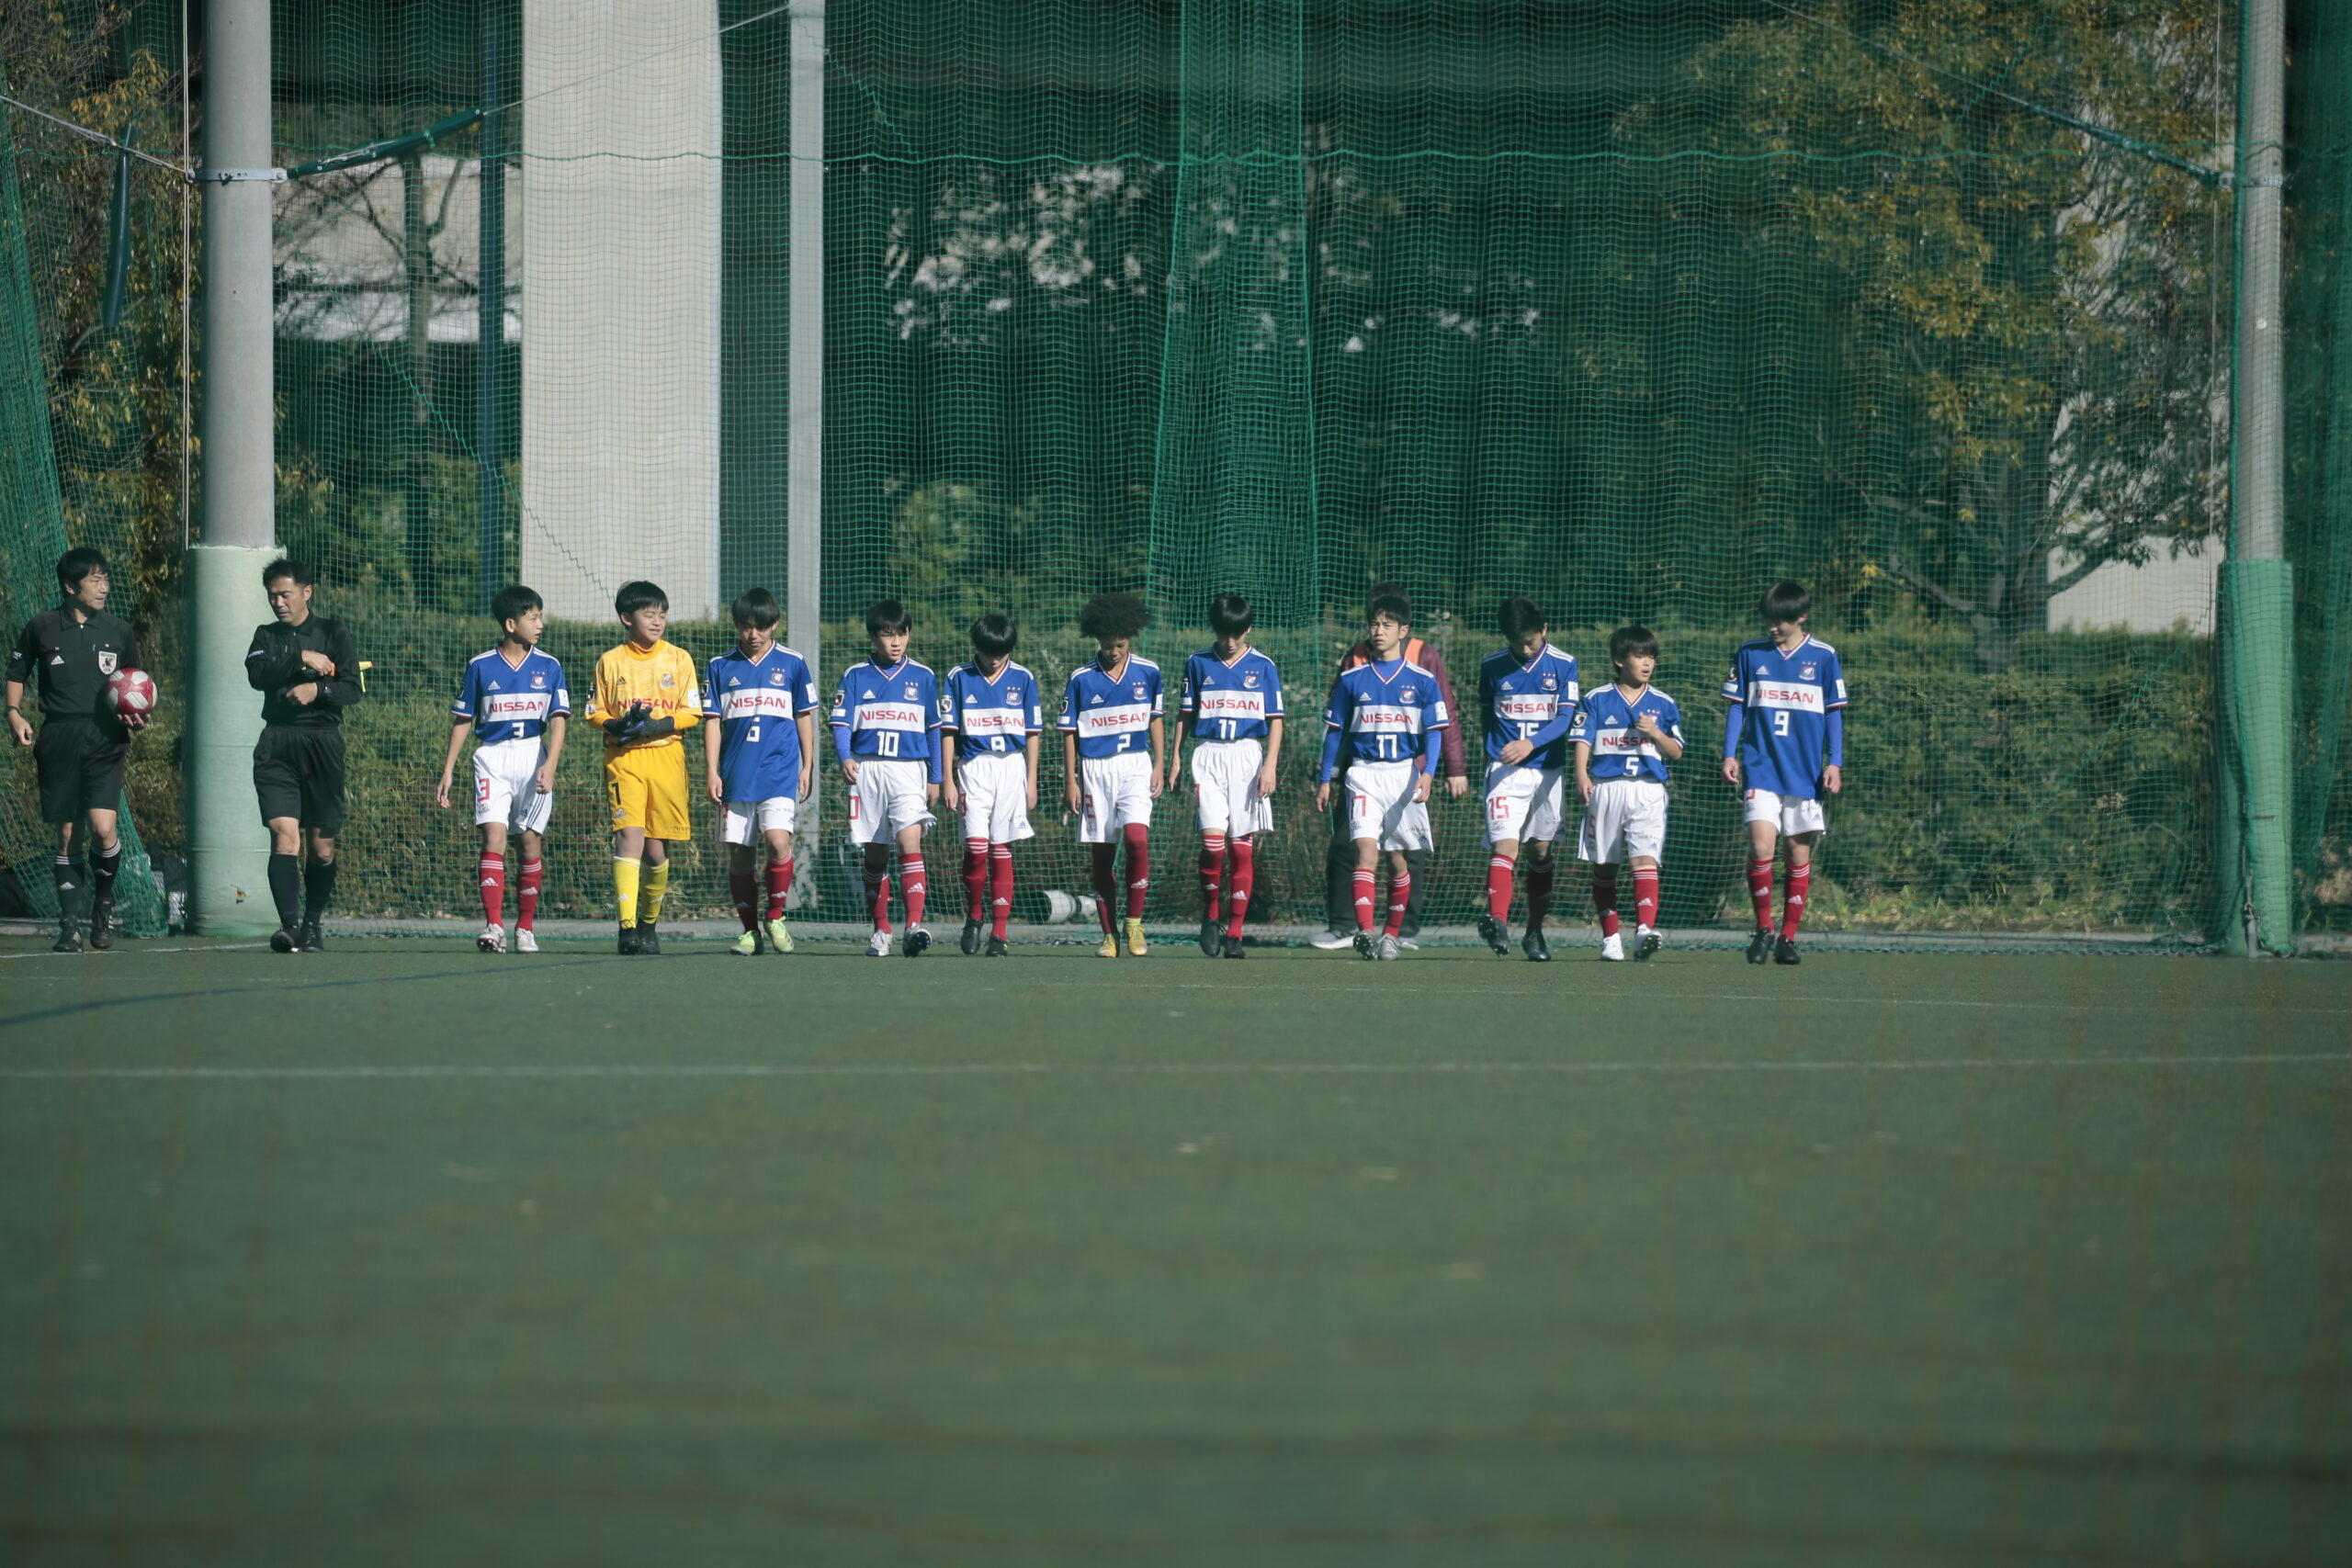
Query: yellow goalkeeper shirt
x=661, y=677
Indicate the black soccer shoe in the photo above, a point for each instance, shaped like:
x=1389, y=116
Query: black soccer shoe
x=1785, y=952
x=1538, y=951
x=1231, y=948
x=998, y=947
x=917, y=942
x=1759, y=948
x=69, y=938
x=284, y=939
x=629, y=942
x=648, y=940
x=102, y=924
x=1212, y=939
x=308, y=940
x=1646, y=946
x=1494, y=934
x=970, y=942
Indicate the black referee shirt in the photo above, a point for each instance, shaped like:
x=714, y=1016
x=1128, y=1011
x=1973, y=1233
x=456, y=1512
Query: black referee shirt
x=274, y=666
x=67, y=658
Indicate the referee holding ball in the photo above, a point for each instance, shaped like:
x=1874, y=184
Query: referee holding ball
x=83, y=743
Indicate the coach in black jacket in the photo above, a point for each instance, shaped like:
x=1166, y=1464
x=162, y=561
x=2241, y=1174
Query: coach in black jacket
x=307, y=668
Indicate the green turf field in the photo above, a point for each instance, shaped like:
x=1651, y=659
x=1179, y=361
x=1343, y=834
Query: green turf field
x=405, y=1255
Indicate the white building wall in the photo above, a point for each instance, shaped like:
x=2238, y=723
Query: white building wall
x=619, y=258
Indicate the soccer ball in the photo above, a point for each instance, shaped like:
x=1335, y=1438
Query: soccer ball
x=133, y=692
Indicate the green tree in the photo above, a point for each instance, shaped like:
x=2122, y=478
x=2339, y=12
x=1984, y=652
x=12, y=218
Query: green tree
x=2028, y=319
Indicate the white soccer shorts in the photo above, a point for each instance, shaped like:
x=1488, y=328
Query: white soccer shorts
x=1524, y=803
x=1225, y=777
x=1787, y=812
x=996, y=797
x=886, y=799
x=1626, y=818
x=507, y=785
x=745, y=821
x=1381, y=806
x=1113, y=792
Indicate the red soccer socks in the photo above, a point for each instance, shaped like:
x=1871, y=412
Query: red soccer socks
x=1000, y=887
x=1239, y=884
x=1138, y=839
x=1604, y=896
x=1798, y=884
x=493, y=887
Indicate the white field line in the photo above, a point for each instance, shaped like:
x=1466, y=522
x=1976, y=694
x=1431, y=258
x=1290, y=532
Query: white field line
x=1661, y=994
x=1172, y=1069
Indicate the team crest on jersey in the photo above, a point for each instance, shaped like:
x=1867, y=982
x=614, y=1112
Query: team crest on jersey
x=1013, y=699
x=911, y=691
x=1250, y=681
x=1805, y=672
x=775, y=677
x=1406, y=695
x=538, y=682
x=668, y=679
x=106, y=661
x=1551, y=683
x=1138, y=691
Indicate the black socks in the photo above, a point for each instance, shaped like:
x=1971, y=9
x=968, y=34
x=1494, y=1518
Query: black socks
x=286, y=888
x=69, y=887
x=103, y=867
x=318, y=886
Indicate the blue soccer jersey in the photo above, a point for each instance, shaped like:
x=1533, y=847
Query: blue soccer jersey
x=1388, y=712
x=754, y=702
x=1230, y=702
x=1111, y=711
x=511, y=702
x=992, y=716
x=887, y=714
x=1532, y=700
x=1605, y=722
x=1781, y=706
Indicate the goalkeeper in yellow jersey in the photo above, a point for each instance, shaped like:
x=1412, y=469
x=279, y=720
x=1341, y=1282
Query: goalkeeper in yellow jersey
x=645, y=695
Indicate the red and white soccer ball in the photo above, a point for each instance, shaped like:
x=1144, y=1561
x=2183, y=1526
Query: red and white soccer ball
x=133, y=692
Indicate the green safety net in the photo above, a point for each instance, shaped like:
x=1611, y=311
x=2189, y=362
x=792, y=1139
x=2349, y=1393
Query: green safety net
x=1631, y=306
x=90, y=407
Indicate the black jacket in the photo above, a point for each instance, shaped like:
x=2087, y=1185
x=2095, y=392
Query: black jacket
x=274, y=666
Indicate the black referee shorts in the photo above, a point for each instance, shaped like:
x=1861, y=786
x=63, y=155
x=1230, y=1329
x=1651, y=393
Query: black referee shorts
x=79, y=765
x=297, y=772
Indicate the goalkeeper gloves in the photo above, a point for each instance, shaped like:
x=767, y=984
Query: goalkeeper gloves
x=631, y=724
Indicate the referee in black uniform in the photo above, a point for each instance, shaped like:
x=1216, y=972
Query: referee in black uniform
x=83, y=743
x=307, y=668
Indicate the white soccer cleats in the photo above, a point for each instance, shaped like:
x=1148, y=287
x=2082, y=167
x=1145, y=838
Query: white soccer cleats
x=492, y=938
x=878, y=945
x=1612, y=947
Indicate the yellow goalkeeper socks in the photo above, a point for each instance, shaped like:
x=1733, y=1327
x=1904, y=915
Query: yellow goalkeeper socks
x=625, y=878
x=657, y=882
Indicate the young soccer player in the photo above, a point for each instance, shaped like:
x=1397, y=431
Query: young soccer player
x=1625, y=734
x=1787, y=715
x=1113, y=741
x=993, y=709
x=514, y=700
x=759, y=763
x=307, y=668
x=1387, y=719
x=1339, y=860
x=1232, y=705
x=884, y=720
x=1527, y=701
x=645, y=695
x=68, y=653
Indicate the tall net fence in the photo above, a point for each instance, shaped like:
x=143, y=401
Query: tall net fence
x=1631, y=307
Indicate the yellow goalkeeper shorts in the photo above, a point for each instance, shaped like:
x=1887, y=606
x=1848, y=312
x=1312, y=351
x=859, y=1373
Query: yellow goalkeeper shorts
x=647, y=790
